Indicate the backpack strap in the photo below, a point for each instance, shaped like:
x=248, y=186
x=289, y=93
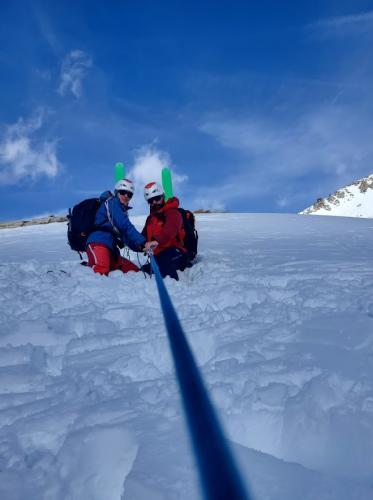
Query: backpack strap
x=116, y=230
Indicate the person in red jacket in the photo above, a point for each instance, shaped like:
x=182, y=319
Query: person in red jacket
x=164, y=227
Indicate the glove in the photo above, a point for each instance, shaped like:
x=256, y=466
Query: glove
x=119, y=243
x=150, y=246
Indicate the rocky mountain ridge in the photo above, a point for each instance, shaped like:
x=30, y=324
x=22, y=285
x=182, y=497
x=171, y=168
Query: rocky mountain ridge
x=353, y=200
x=32, y=222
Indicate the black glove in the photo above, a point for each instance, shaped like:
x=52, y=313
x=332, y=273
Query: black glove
x=119, y=243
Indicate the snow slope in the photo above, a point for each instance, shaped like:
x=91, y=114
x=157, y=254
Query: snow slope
x=354, y=200
x=279, y=312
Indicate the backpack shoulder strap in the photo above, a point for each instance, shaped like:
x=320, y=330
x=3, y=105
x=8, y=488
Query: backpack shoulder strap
x=116, y=230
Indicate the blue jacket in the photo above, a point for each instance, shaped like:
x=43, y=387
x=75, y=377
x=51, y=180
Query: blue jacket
x=128, y=234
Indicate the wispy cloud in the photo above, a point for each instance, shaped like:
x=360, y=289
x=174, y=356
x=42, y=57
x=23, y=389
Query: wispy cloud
x=46, y=29
x=23, y=154
x=73, y=70
x=58, y=212
x=247, y=184
x=208, y=201
x=328, y=141
x=344, y=25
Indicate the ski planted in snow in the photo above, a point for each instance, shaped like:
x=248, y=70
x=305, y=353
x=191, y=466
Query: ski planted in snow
x=167, y=183
x=120, y=171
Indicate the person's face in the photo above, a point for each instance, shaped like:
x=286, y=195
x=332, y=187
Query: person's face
x=156, y=202
x=124, y=197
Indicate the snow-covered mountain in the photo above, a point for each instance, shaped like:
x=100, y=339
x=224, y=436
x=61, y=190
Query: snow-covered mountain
x=279, y=313
x=354, y=200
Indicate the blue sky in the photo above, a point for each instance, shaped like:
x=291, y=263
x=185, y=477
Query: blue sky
x=256, y=106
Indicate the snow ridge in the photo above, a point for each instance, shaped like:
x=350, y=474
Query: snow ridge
x=354, y=200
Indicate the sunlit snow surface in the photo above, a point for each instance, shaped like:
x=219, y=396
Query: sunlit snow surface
x=279, y=312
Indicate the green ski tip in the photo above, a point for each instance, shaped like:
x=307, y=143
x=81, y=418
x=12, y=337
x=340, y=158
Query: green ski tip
x=167, y=183
x=120, y=172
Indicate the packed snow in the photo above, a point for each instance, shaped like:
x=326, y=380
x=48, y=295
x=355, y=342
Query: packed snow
x=279, y=312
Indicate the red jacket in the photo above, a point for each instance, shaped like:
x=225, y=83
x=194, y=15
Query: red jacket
x=165, y=226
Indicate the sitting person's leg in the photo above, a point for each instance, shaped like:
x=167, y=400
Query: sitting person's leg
x=146, y=268
x=99, y=258
x=170, y=261
x=125, y=265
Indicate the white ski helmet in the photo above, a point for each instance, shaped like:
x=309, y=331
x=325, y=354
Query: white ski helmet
x=124, y=185
x=152, y=190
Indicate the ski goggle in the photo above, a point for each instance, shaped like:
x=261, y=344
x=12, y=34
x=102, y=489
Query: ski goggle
x=123, y=192
x=155, y=198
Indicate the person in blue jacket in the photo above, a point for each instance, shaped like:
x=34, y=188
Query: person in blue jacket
x=113, y=229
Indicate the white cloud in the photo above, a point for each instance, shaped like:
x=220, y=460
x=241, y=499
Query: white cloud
x=73, y=70
x=23, y=155
x=148, y=164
